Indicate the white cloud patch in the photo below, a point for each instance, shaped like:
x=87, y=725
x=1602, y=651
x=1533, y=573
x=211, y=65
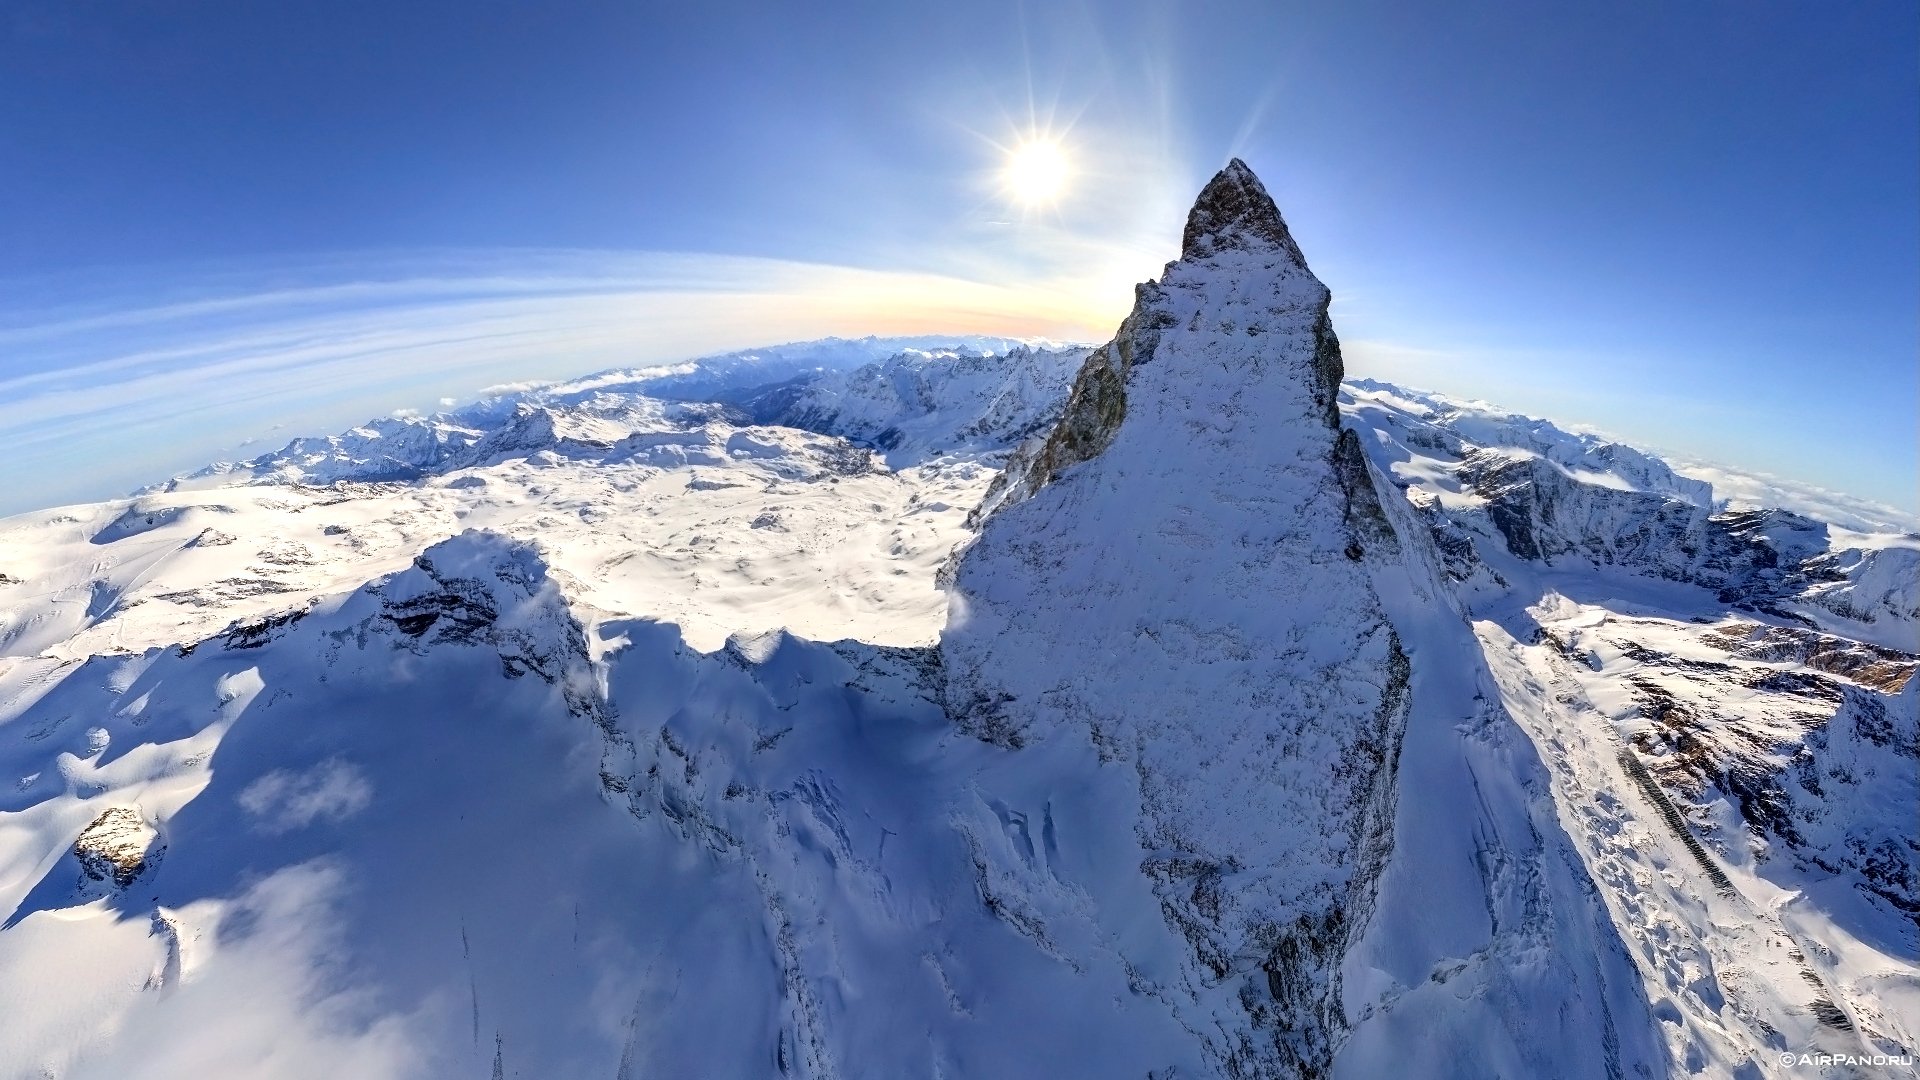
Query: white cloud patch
x=282, y=801
x=1741, y=489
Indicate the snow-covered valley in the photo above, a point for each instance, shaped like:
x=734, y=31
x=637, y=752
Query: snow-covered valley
x=962, y=707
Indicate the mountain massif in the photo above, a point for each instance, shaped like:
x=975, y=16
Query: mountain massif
x=962, y=707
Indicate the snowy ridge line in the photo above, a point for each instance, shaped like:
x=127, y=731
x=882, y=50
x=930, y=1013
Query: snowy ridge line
x=1542, y=492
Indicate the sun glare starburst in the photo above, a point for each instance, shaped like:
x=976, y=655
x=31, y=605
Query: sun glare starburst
x=1037, y=171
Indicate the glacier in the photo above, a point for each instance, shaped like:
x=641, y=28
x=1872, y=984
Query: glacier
x=961, y=706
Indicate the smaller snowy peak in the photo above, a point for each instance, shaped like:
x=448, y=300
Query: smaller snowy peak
x=1235, y=213
x=565, y=431
x=1788, y=537
x=388, y=450
x=1878, y=591
x=484, y=588
x=464, y=581
x=482, y=555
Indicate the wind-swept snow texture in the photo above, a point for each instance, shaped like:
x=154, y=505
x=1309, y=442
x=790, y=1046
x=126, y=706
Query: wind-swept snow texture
x=961, y=707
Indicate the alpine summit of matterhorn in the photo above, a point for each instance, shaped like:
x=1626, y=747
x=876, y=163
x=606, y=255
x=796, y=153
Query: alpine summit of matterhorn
x=1195, y=575
x=959, y=706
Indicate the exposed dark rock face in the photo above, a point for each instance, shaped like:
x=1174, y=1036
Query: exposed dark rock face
x=1365, y=519
x=1886, y=670
x=1235, y=213
x=1544, y=514
x=1802, y=756
x=1769, y=561
x=1095, y=407
x=258, y=632
x=116, y=848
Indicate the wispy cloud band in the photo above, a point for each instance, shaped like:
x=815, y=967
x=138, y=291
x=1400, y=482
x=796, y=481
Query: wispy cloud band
x=94, y=403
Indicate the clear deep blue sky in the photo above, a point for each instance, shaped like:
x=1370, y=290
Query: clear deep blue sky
x=1695, y=225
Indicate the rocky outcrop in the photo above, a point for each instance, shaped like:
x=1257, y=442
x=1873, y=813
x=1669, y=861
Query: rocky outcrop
x=482, y=588
x=1877, y=588
x=116, y=849
x=1885, y=670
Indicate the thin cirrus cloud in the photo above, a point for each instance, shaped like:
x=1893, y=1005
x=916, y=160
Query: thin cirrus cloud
x=96, y=403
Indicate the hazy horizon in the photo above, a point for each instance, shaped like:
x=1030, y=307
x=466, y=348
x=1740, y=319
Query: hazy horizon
x=1695, y=231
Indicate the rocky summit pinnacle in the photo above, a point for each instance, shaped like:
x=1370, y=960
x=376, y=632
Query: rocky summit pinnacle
x=1240, y=295
x=1235, y=213
x=1198, y=586
x=1150, y=590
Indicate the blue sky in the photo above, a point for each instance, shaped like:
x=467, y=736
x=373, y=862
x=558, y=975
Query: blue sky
x=1693, y=225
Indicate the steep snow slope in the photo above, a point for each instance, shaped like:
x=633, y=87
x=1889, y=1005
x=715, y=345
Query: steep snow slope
x=1738, y=758
x=354, y=822
x=494, y=853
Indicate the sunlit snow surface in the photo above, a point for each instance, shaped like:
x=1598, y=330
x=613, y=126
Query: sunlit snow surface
x=512, y=742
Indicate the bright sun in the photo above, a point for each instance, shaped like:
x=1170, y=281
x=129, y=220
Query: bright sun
x=1036, y=171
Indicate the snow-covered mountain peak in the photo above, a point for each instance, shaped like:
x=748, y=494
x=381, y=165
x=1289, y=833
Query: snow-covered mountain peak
x=1235, y=213
x=483, y=587
x=1240, y=342
x=483, y=571
x=1186, y=580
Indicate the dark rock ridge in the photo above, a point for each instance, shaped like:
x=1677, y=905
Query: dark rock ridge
x=1235, y=213
x=1751, y=557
